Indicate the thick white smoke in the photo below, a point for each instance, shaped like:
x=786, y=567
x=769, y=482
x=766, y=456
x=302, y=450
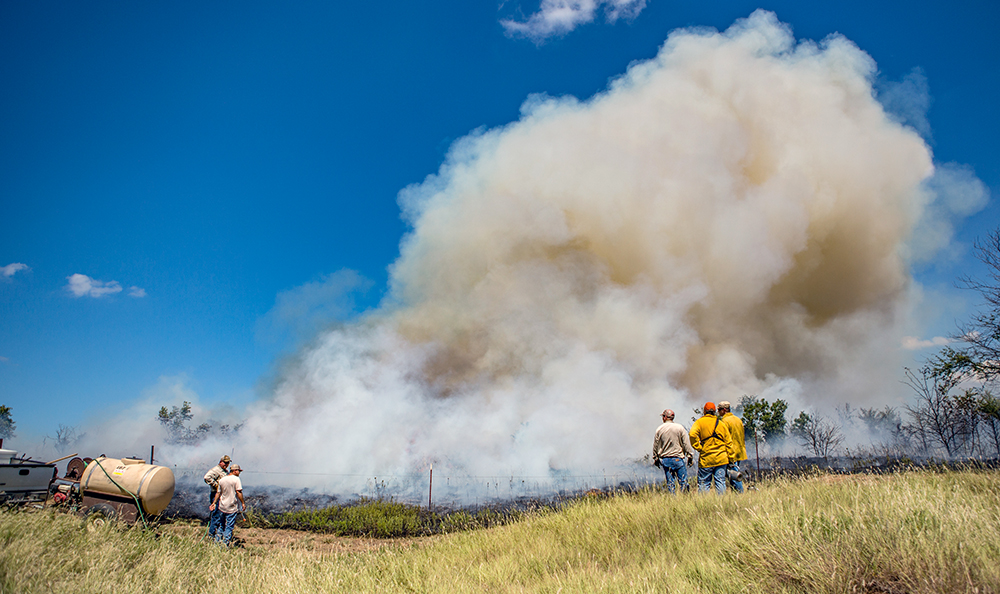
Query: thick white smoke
x=731, y=217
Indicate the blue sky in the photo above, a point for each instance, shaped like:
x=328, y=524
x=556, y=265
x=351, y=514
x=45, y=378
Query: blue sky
x=204, y=165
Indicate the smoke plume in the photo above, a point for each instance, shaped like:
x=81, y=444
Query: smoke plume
x=733, y=216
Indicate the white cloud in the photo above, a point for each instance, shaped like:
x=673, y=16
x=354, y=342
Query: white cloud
x=82, y=285
x=136, y=292
x=4, y=360
x=11, y=269
x=912, y=343
x=558, y=17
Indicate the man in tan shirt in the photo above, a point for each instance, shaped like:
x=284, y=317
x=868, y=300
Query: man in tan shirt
x=670, y=446
x=230, y=490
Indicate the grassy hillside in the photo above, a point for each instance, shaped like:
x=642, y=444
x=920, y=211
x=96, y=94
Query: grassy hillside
x=911, y=532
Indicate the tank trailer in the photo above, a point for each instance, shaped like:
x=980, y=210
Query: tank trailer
x=101, y=489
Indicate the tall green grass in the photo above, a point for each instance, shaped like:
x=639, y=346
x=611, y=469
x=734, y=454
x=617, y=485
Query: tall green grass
x=908, y=532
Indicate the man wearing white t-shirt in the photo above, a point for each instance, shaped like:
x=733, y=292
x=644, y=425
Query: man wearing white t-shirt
x=230, y=490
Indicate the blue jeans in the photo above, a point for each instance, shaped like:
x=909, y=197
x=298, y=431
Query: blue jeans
x=226, y=524
x=712, y=474
x=214, y=519
x=674, y=468
x=737, y=485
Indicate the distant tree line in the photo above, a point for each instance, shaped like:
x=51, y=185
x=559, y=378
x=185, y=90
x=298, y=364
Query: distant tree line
x=765, y=422
x=964, y=423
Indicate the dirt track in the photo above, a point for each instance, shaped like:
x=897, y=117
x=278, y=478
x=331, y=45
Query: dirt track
x=267, y=539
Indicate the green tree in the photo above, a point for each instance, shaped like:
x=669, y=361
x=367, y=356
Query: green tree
x=763, y=419
x=775, y=422
x=980, y=336
x=7, y=424
x=884, y=422
x=942, y=420
x=751, y=411
x=989, y=408
x=964, y=422
x=175, y=421
x=799, y=425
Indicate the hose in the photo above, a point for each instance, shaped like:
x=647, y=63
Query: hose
x=138, y=505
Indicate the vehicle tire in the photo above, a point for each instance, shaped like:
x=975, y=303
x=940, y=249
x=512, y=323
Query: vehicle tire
x=99, y=516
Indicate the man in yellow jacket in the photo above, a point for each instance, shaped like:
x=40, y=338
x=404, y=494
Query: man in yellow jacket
x=711, y=438
x=739, y=443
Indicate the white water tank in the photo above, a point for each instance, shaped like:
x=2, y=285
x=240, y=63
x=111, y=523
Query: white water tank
x=152, y=485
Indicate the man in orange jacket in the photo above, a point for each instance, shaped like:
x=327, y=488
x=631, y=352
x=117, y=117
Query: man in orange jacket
x=711, y=438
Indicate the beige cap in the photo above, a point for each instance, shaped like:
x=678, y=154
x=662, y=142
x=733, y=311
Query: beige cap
x=724, y=404
x=235, y=468
x=225, y=459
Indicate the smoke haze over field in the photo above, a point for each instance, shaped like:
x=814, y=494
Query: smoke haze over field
x=735, y=216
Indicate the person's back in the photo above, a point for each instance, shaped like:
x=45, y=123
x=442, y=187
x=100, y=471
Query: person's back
x=671, y=441
x=228, y=502
x=711, y=437
x=670, y=445
x=735, y=426
x=229, y=485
